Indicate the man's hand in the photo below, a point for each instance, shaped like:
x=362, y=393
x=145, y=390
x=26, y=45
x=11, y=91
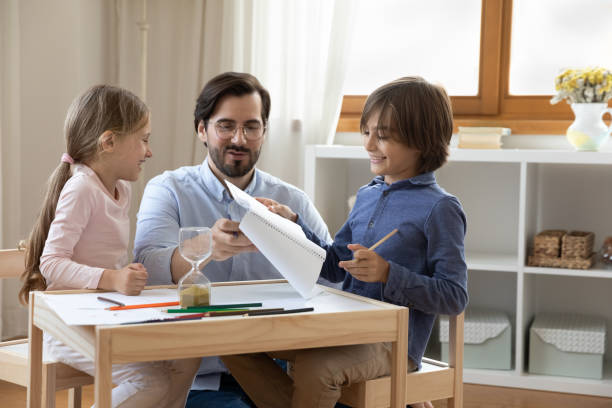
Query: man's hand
x=130, y=280
x=228, y=240
x=366, y=265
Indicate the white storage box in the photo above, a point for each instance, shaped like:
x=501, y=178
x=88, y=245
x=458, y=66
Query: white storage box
x=567, y=345
x=487, y=339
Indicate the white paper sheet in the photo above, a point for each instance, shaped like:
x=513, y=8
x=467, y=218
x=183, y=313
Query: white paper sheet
x=85, y=309
x=282, y=242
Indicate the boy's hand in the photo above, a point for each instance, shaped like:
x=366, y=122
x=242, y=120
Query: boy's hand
x=278, y=208
x=228, y=240
x=366, y=265
x=131, y=279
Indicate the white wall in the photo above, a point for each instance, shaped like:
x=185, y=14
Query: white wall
x=52, y=51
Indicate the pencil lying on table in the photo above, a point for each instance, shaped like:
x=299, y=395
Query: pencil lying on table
x=285, y=311
x=144, y=306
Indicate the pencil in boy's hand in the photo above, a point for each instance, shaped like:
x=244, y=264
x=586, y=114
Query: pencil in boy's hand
x=383, y=239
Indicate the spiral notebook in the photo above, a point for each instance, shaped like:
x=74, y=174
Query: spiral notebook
x=282, y=242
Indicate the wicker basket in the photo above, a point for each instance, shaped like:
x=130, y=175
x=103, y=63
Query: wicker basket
x=577, y=244
x=556, y=262
x=548, y=243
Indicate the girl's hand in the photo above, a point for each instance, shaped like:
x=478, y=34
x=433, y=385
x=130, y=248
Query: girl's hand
x=366, y=265
x=278, y=208
x=426, y=404
x=130, y=280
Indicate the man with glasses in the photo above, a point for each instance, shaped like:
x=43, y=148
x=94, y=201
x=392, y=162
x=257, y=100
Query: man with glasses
x=231, y=117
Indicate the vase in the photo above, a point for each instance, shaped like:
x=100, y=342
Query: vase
x=588, y=132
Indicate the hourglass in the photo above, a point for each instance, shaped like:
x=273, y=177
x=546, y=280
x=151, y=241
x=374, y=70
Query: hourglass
x=195, y=245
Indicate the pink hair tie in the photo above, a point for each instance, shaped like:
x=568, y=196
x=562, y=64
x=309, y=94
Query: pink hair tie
x=67, y=159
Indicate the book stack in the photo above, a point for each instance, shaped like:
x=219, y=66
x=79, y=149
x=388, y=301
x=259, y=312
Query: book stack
x=474, y=137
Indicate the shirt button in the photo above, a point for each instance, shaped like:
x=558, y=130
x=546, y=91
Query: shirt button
x=371, y=224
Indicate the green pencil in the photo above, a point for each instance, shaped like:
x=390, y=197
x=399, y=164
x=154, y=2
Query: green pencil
x=229, y=306
x=204, y=309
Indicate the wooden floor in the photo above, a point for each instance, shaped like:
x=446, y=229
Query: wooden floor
x=476, y=396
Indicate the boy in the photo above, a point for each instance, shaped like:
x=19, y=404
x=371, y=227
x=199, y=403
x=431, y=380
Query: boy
x=406, y=126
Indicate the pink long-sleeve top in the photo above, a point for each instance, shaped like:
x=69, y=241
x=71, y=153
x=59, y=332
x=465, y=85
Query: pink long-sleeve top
x=90, y=232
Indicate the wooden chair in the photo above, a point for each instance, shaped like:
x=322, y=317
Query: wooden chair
x=14, y=354
x=436, y=380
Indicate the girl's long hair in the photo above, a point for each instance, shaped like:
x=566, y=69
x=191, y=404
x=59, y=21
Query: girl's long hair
x=101, y=108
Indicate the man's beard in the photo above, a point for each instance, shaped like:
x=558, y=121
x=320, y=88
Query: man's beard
x=236, y=168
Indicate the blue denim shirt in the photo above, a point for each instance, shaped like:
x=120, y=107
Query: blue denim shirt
x=427, y=269
x=193, y=196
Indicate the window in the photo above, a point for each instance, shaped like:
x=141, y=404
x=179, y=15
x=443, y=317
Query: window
x=522, y=46
x=550, y=35
x=414, y=38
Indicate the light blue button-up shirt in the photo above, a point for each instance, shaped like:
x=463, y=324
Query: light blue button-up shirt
x=193, y=196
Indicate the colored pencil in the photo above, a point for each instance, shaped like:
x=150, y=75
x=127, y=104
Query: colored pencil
x=196, y=316
x=228, y=306
x=383, y=239
x=231, y=312
x=204, y=309
x=285, y=311
x=109, y=300
x=144, y=306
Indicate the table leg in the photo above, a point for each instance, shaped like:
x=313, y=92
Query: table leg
x=103, y=380
x=399, y=365
x=35, y=359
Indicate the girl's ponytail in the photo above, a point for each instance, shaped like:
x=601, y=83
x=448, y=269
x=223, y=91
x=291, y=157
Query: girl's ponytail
x=32, y=277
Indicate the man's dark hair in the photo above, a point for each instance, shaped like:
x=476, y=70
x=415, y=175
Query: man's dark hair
x=422, y=114
x=229, y=83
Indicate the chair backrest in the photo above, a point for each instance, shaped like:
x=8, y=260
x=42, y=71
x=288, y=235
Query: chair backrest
x=12, y=263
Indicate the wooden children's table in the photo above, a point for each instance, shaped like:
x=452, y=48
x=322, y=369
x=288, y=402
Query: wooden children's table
x=339, y=318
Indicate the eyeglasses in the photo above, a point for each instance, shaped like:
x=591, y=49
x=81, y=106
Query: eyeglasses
x=227, y=130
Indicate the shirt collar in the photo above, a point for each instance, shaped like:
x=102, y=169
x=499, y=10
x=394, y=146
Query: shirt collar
x=423, y=179
x=216, y=188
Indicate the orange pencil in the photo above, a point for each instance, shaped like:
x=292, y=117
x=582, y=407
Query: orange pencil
x=128, y=307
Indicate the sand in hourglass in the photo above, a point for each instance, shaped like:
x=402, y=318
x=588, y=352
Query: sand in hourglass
x=196, y=295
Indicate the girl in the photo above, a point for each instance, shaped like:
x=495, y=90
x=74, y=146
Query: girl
x=80, y=239
x=406, y=126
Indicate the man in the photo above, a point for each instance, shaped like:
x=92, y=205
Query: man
x=231, y=118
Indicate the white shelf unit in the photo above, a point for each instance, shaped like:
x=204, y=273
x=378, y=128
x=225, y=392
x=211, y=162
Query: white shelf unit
x=508, y=196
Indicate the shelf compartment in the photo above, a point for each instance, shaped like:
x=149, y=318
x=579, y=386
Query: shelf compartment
x=569, y=197
x=575, y=294
x=492, y=219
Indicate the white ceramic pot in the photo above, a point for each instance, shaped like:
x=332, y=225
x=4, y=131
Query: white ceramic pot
x=588, y=132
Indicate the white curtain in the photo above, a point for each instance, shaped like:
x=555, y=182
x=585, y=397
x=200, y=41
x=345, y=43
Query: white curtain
x=13, y=318
x=298, y=49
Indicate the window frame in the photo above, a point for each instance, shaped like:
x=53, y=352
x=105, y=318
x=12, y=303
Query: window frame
x=493, y=105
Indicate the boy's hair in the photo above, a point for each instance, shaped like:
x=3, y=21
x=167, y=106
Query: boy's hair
x=229, y=83
x=422, y=114
x=99, y=109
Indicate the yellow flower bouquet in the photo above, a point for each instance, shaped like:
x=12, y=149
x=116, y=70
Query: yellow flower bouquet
x=591, y=85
